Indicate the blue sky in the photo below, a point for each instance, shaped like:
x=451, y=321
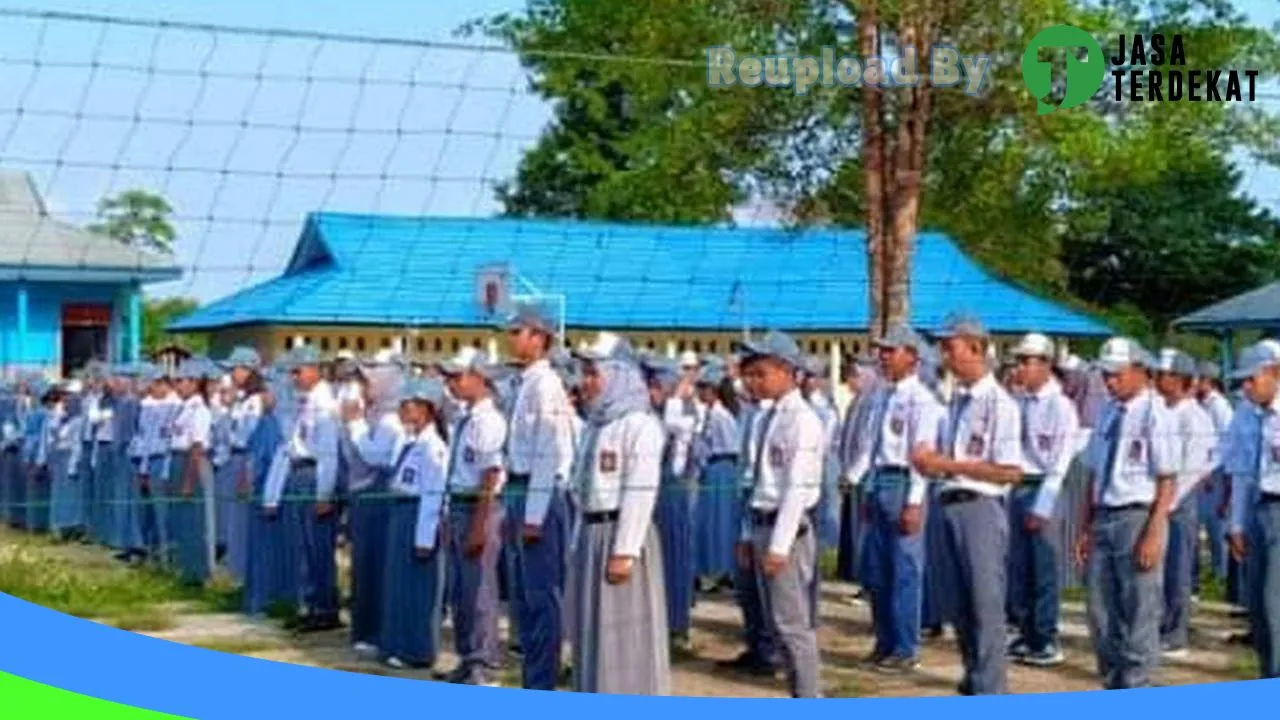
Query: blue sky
x=429, y=130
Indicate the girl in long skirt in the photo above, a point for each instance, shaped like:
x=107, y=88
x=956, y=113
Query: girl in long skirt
x=24, y=407
x=368, y=449
x=246, y=409
x=671, y=396
x=35, y=476
x=620, y=634
x=190, y=475
x=271, y=568
x=62, y=448
x=718, y=514
x=126, y=520
x=224, y=478
x=149, y=458
x=414, y=579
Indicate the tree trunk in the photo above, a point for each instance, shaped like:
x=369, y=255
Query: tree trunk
x=873, y=169
x=908, y=165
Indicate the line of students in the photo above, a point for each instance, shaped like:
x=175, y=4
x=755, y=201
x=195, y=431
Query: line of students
x=594, y=494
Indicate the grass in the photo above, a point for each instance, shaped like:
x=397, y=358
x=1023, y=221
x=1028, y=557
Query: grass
x=829, y=564
x=86, y=583
x=237, y=646
x=1244, y=666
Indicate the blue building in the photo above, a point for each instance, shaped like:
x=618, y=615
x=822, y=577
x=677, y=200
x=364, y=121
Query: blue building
x=67, y=295
x=430, y=285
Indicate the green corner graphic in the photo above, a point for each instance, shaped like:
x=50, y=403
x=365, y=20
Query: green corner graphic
x=1084, y=77
x=22, y=699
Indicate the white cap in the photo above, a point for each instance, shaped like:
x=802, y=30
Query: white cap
x=75, y=387
x=385, y=356
x=1071, y=363
x=607, y=346
x=345, y=355
x=1121, y=351
x=468, y=358
x=1034, y=345
x=689, y=359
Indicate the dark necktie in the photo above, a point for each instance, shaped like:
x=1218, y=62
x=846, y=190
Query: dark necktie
x=959, y=404
x=1113, y=450
x=764, y=432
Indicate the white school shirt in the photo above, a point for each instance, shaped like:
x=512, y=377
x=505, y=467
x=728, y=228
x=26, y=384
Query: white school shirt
x=1146, y=448
x=192, y=425
x=986, y=428
x=477, y=442
x=246, y=413
x=719, y=435
x=681, y=419
x=99, y=427
x=60, y=433
x=1254, y=462
x=904, y=415
x=369, y=449
x=623, y=474
x=540, y=444
x=789, y=479
x=1197, y=440
x=155, y=421
x=1050, y=441
x=312, y=434
x=221, y=434
x=1220, y=411
x=753, y=416
x=420, y=471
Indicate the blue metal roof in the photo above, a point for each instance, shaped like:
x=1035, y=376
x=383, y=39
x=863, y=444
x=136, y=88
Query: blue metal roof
x=1256, y=309
x=415, y=271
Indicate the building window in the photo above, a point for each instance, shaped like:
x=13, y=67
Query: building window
x=422, y=344
x=697, y=346
x=288, y=343
x=438, y=344
x=735, y=346
x=343, y=344
x=857, y=347
x=813, y=347
x=324, y=344
x=386, y=343
x=306, y=340
x=455, y=344
x=680, y=346
x=651, y=345
x=476, y=343
x=360, y=344
x=713, y=347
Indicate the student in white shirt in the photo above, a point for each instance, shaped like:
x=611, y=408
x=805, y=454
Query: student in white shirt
x=1213, y=494
x=476, y=474
x=620, y=640
x=1196, y=440
x=190, y=474
x=244, y=412
x=540, y=449
x=1133, y=458
x=904, y=416
x=59, y=451
x=1050, y=428
x=979, y=460
x=373, y=432
x=416, y=552
x=304, y=476
x=718, y=512
x=781, y=523
x=1254, y=468
x=150, y=452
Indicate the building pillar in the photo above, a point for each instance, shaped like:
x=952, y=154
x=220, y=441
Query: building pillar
x=671, y=349
x=492, y=349
x=135, y=325
x=24, y=311
x=1228, y=351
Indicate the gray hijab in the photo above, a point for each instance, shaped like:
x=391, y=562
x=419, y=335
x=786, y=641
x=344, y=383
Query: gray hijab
x=624, y=392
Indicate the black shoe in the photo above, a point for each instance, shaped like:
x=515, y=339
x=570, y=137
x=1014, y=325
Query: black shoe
x=933, y=632
x=873, y=659
x=749, y=663
x=894, y=665
x=1238, y=614
x=964, y=689
x=122, y=556
x=295, y=622
x=322, y=623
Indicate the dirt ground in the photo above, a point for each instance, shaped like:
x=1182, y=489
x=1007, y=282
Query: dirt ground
x=845, y=638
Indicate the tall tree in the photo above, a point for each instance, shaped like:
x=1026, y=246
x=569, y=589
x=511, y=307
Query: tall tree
x=137, y=218
x=156, y=316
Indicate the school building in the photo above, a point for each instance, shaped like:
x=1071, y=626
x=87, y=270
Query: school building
x=429, y=286
x=67, y=295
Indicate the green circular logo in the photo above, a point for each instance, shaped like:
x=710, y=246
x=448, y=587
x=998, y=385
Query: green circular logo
x=1084, y=76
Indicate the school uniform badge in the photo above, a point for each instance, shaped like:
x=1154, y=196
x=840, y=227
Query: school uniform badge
x=777, y=457
x=896, y=425
x=1275, y=453
x=1135, y=451
x=1044, y=443
x=469, y=456
x=409, y=476
x=977, y=445
x=608, y=461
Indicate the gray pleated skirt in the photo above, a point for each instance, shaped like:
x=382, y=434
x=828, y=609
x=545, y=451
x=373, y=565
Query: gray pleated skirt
x=620, y=631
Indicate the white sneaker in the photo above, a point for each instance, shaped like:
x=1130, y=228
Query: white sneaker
x=1170, y=653
x=396, y=663
x=365, y=649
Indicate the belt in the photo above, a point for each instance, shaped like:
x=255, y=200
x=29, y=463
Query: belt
x=400, y=499
x=770, y=517
x=956, y=497
x=1032, y=479
x=894, y=469
x=1126, y=508
x=468, y=499
x=302, y=463
x=518, y=479
x=1267, y=498
x=105, y=442
x=239, y=451
x=722, y=457
x=596, y=518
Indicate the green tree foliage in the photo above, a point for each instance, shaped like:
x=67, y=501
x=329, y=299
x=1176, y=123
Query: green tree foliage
x=137, y=218
x=157, y=314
